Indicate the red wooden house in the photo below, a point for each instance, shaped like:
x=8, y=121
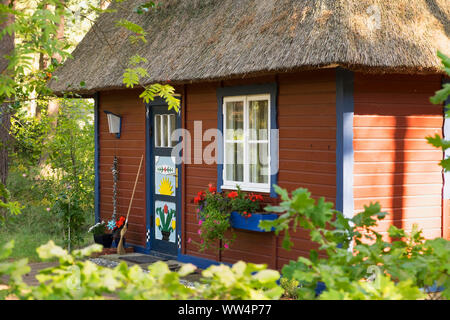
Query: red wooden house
x=344, y=84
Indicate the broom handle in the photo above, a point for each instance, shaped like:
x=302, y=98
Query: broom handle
x=134, y=189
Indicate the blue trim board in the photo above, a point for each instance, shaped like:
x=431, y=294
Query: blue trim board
x=96, y=158
x=266, y=88
x=446, y=135
x=344, y=141
x=201, y=263
x=148, y=185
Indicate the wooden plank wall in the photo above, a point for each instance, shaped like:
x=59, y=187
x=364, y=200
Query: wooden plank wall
x=307, y=122
x=394, y=164
x=128, y=149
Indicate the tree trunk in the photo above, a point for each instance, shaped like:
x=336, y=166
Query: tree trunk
x=6, y=46
x=53, y=104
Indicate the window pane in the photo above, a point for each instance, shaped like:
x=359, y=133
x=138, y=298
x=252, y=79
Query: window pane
x=234, y=123
x=164, y=130
x=259, y=162
x=258, y=119
x=157, y=130
x=172, y=126
x=234, y=162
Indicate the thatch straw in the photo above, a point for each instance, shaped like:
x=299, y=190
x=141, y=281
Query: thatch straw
x=196, y=40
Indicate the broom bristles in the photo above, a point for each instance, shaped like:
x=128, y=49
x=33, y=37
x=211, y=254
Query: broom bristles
x=120, y=248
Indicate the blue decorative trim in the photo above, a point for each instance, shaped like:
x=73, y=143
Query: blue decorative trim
x=138, y=249
x=267, y=88
x=446, y=135
x=201, y=263
x=96, y=158
x=344, y=141
x=148, y=185
x=240, y=222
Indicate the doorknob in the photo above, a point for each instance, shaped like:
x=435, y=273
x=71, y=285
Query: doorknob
x=176, y=177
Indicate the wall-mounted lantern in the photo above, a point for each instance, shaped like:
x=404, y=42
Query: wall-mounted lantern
x=114, y=123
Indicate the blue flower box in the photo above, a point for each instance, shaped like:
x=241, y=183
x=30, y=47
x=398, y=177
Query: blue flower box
x=240, y=222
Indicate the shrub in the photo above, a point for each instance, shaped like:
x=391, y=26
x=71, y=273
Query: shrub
x=351, y=250
x=74, y=278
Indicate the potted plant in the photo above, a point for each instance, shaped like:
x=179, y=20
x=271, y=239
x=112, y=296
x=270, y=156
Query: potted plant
x=100, y=234
x=115, y=226
x=217, y=212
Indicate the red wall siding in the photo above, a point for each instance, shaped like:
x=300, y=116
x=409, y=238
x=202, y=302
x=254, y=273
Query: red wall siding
x=307, y=123
x=201, y=105
x=128, y=149
x=394, y=164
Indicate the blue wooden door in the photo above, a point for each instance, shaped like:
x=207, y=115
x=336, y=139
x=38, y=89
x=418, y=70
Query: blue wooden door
x=164, y=179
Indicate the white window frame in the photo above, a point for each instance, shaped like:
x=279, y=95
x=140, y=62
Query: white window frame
x=246, y=185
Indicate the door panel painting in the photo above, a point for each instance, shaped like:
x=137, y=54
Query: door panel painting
x=165, y=221
x=165, y=179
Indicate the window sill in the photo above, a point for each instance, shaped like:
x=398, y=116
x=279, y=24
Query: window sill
x=246, y=188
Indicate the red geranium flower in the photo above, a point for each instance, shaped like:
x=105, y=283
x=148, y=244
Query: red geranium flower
x=232, y=194
x=200, y=193
x=120, y=222
x=256, y=197
x=211, y=188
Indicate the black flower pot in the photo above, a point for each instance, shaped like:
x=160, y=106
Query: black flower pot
x=104, y=239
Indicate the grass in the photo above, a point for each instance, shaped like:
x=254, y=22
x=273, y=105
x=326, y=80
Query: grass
x=31, y=229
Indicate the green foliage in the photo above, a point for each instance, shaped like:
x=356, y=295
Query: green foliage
x=290, y=287
x=13, y=207
x=49, y=166
x=244, y=203
x=71, y=151
x=68, y=210
x=132, y=76
x=381, y=289
x=98, y=228
x=164, y=91
x=37, y=32
x=137, y=30
x=30, y=134
x=440, y=97
x=13, y=271
x=213, y=229
x=77, y=278
x=351, y=250
x=243, y=281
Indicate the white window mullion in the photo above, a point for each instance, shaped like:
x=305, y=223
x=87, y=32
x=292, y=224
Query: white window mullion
x=224, y=135
x=246, y=137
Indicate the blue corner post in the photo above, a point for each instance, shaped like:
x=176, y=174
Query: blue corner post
x=96, y=158
x=344, y=141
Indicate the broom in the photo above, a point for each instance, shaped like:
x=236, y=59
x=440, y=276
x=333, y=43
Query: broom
x=120, y=248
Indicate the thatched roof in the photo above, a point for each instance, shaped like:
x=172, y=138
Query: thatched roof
x=194, y=40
